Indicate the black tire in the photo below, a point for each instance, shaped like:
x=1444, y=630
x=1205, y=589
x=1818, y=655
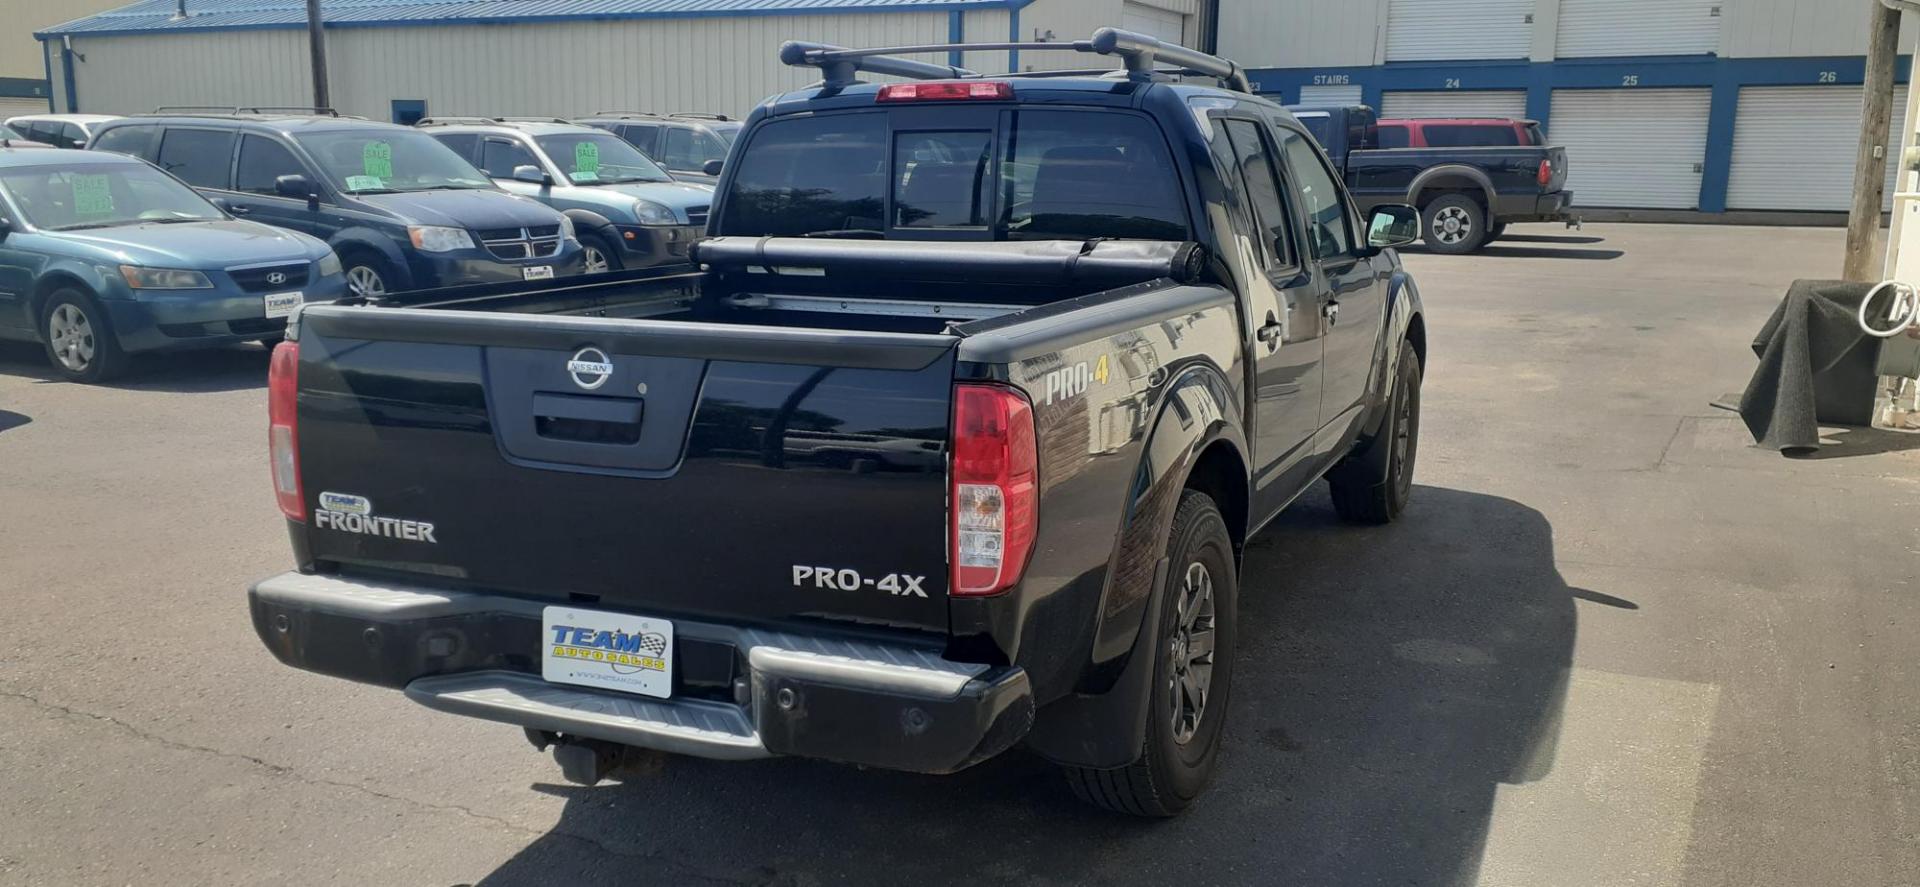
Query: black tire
x=1374, y=483
x=80, y=342
x=1494, y=231
x=1173, y=769
x=1454, y=224
x=358, y=265
x=591, y=243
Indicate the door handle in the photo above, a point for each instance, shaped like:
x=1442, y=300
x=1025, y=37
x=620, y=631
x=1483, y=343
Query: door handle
x=239, y=210
x=1331, y=311
x=1271, y=332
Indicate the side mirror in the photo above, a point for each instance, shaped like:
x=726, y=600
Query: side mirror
x=6, y=228
x=1392, y=224
x=295, y=186
x=531, y=174
x=713, y=167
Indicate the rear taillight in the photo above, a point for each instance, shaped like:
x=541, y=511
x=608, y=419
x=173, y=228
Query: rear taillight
x=995, y=494
x=946, y=91
x=1546, y=171
x=283, y=429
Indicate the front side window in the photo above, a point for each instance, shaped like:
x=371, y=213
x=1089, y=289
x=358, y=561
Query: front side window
x=596, y=158
x=383, y=161
x=688, y=148
x=1321, y=202
x=262, y=162
x=499, y=157
x=1393, y=137
x=200, y=157
x=102, y=195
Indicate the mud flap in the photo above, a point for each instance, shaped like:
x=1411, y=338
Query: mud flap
x=1108, y=729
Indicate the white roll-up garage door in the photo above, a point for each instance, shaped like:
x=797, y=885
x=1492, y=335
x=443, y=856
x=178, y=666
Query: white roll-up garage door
x=1634, y=148
x=1794, y=146
x=1594, y=28
x=10, y=107
x=1168, y=27
x=1458, y=29
x=1455, y=103
x=1330, y=95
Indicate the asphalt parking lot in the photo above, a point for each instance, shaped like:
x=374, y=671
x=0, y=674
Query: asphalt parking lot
x=1612, y=643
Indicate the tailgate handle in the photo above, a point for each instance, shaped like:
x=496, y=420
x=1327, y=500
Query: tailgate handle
x=601, y=420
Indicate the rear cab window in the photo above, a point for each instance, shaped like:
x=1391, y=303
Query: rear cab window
x=999, y=174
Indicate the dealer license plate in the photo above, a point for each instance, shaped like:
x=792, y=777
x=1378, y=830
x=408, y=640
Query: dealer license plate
x=537, y=272
x=282, y=304
x=610, y=651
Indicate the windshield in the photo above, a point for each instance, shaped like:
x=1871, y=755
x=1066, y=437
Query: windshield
x=8, y=132
x=385, y=160
x=598, y=158
x=100, y=195
x=1039, y=175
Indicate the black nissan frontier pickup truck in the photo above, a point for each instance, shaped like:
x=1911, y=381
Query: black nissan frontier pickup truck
x=950, y=440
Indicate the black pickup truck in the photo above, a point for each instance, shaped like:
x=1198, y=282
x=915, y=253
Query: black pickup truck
x=950, y=441
x=1467, y=193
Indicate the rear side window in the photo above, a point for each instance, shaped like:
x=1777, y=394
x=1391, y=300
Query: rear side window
x=73, y=135
x=1535, y=136
x=462, y=143
x=1393, y=137
x=690, y=148
x=1255, y=157
x=133, y=140
x=1321, y=125
x=263, y=160
x=1050, y=175
x=1469, y=135
x=199, y=157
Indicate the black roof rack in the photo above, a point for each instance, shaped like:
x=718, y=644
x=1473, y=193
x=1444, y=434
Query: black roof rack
x=1140, y=54
x=532, y=120
x=701, y=115
x=623, y=114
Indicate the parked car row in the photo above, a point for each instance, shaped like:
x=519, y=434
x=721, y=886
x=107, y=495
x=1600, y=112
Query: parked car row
x=194, y=228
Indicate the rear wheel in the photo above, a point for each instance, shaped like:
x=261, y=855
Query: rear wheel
x=1375, y=482
x=80, y=342
x=1454, y=224
x=1187, y=705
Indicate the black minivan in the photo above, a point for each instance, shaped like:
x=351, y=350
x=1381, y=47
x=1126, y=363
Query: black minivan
x=402, y=210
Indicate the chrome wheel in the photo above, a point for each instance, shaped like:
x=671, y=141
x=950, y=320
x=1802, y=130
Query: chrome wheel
x=365, y=282
x=1191, y=650
x=70, y=334
x=1452, y=225
x=596, y=260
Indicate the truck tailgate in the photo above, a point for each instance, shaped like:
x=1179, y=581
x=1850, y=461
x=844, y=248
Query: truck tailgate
x=738, y=473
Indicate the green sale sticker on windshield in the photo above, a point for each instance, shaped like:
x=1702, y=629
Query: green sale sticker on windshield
x=586, y=157
x=92, y=195
x=376, y=160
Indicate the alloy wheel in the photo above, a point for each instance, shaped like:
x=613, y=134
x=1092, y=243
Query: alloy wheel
x=365, y=282
x=71, y=335
x=1452, y=224
x=1190, y=678
x=596, y=260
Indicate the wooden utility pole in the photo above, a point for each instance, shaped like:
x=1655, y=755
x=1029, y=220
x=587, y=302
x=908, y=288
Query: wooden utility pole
x=317, y=47
x=1870, y=162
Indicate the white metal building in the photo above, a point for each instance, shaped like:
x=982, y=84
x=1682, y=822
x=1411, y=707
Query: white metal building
x=1663, y=104
x=539, y=57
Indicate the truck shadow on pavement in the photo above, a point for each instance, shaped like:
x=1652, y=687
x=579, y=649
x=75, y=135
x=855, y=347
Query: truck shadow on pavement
x=1389, y=681
x=234, y=368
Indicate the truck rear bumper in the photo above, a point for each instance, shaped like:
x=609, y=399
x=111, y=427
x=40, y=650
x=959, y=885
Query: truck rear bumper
x=758, y=694
x=1554, y=206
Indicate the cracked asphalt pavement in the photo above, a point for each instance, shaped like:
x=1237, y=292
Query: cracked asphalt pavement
x=1611, y=644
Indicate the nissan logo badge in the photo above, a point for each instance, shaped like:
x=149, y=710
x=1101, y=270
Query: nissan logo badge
x=590, y=368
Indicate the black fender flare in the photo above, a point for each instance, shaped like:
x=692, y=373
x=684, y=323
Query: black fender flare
x=1104, y=722
x=1429, y=179
x=347, y=240
x=588, y=220
x=1404, y=313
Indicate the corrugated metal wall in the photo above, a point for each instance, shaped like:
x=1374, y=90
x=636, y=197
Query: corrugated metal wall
x=129, y=75
x=1761, y=28
x=1598, y=28
x=1422, y=30
x=1301, y=33
x=1455, y=103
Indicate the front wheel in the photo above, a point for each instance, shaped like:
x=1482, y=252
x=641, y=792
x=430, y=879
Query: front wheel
x=1374, y=483
x=1455, y=224
x=80, y=342
x=1193, y=670
x=599, y=255
x=367, y=277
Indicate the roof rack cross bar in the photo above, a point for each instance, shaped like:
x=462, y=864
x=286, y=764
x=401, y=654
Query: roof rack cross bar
x=1139, y=53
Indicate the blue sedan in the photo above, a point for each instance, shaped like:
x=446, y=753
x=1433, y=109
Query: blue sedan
x=103, y=255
